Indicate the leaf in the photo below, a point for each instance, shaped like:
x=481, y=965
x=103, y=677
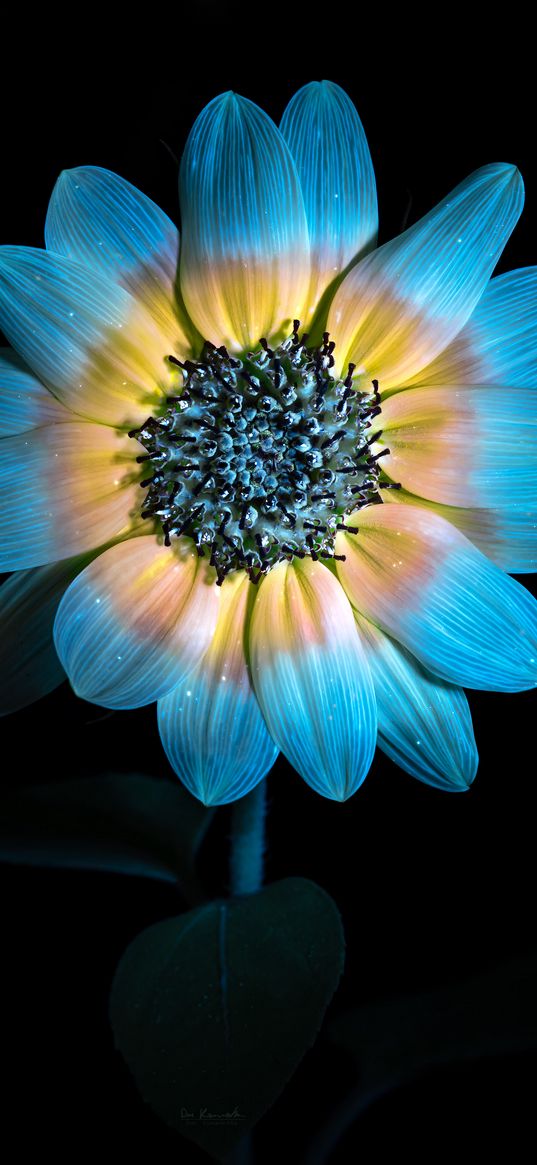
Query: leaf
x=127, y=823
x=493, y=1013
x=214, y=1010
x=394, y=1041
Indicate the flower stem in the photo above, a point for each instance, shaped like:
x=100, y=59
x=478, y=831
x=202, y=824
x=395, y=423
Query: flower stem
x=242, y=1154
x=248, y=841
x=246, y=876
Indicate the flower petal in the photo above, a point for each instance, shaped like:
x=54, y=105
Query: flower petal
x=135, y=622
x=425, y=725
x=96, y=217
x=25, y=403
x=29, y=665
x=311, y=677
x=210, y=725
x=399, y=307
x=86, y=338
x=498, y=345
x=507, y=536
x=417, y=577
x=328, y=143
x=474, y=446
x=245, y=250
x=64, y=489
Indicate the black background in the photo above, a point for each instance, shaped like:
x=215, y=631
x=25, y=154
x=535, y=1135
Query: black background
x=431, y=886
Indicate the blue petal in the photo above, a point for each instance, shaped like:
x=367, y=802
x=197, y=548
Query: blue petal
x=29, y=665
x=311, y=677
x=498, y=345
x=135, y=622
x=98, y=218
x=86, y=338
x=414, y=575
x=245, y=251
x=210, y=725
x=475, y=446
x=403, y=304
x=64, y=489
x=425, y=725
x=329, y=146
x=507, y=536
x=25, y=403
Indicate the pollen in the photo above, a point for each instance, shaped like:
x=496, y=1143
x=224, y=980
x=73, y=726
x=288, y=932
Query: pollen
x=262, y=458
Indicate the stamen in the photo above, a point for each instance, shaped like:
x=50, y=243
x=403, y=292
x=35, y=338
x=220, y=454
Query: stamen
x=272, y=438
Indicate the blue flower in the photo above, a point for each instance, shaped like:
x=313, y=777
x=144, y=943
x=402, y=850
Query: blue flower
x=199, y=434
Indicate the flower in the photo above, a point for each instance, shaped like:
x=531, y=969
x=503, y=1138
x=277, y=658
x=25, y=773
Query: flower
x=255, y=587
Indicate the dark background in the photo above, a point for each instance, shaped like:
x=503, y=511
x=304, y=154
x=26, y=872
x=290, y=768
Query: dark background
x=431, y=887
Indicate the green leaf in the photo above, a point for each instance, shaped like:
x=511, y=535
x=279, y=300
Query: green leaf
x=214, y=1010
x=393, y=1041
x=127, y=823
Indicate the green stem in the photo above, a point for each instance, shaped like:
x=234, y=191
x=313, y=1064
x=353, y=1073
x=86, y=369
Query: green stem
x=246, y=876
x=248, y=841
x=242, y=1153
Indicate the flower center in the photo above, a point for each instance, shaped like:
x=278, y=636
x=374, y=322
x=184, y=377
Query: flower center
x=262, y=458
